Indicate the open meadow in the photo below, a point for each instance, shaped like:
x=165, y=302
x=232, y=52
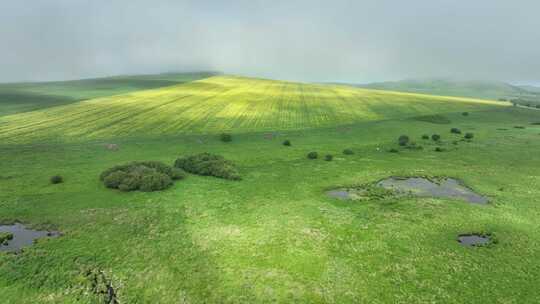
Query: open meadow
x=274, y=236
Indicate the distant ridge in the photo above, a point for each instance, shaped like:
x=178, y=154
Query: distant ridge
x=471, y=88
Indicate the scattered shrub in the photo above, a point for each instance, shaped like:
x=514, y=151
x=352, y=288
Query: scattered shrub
x=56, y=179
x=403, y=140
x=455, y=131
x=312, y=155
x=393, y=150
x=519, y=127
x=348, y=152
x=538, y=106
x=439, y=149
x=435, y=137
x=425, y=136
x=469, y=135
x=143, y=176
x=5, y=237
x=328, y=157
x=287, y=142
x=455, y=142
x=465, y=113
x=225, y=137
x=207, y=164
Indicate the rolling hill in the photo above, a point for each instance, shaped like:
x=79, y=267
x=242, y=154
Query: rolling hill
x=224, y=103
x=24, y=97
x=474, y=89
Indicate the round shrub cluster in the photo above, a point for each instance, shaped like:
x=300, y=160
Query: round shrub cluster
x=469, y=135
x=287, y=142
x=328, y=157
x=207, y=164
x=425, y=136
x=144, y=176
x=225, y=137
x=403, y=140
x=439, y=149
x=465, y=113
x=436, y=137
x=312, y=155
x=393, y=150
x=348, y=152
x=56, y=179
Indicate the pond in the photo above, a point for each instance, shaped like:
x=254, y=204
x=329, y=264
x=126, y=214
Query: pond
x=20, y=237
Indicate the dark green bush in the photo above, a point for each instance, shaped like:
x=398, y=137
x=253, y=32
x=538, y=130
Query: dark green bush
x=435, y=137
x=469, y=135
x=425, y=136
x=455, y=131
x=403, y=140
x=143, y=176
x=207, y=164
x=225, y=137
x=312, y=155
x=328, y=157
x=177, y=174
x=439, y=149
x=56, y=179
x=348, y=152
x=393, y=150
x=287, y=142
x=465, y=113
x=155, y=181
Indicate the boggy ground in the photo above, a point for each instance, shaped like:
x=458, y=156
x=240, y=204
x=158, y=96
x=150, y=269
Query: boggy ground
x=275, y=236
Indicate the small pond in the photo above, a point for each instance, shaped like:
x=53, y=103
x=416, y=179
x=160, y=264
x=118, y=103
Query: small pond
x=442, y=188
x=470, y=240
x=21, y=237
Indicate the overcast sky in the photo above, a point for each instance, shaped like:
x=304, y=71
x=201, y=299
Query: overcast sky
x=309, y=40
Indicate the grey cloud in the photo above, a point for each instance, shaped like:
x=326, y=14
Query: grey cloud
x=354, y=41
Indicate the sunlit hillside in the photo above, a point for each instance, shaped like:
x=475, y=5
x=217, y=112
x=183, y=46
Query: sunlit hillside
x=224, y=103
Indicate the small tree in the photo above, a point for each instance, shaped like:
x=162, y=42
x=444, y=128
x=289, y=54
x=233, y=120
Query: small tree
x=56, y=179
x=403, y=140
x=225, y=137
x=469, y=135
x=455, y=131
x=435, y=137
x=312, y=155
x=348, y=152
x=287, y=142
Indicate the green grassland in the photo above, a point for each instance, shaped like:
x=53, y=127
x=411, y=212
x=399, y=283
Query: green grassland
x=274, y=236
x=221, y=103
x=24, y=97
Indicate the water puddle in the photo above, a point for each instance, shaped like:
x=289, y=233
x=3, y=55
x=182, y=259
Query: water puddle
x=470, y=240
x=423, y=187
x=21, y=237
